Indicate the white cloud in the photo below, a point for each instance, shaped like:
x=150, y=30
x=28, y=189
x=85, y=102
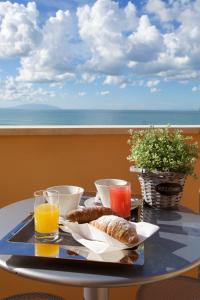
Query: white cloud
x=167, y=11
x=123, y=85
x=154, y=90
x=104, y=93
x=103, y=27
x=11, y=90
x=104, y=41
x=54, y=58
x=159, y=8
x=180, y=60
x=132, y=64
x=121, y=81
x=115, y=80
x=81, y=94
x=196, y=89
x=153, y=85
x=88, y=77
x=146, y=43
x=56, y=85
x=19, y=32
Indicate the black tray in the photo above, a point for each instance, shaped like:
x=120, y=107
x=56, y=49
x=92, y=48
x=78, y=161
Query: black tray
x=21, y=242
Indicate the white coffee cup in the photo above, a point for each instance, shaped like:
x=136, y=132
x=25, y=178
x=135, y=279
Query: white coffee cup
x=69, y=197
x=102, y=186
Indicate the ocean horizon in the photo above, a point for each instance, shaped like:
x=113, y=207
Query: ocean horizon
x=18, y=116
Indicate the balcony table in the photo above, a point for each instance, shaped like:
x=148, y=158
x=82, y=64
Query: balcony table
x=173, y=250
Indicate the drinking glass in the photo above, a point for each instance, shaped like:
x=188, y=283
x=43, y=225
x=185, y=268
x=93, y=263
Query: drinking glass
x=120, y=199
x=46, y=215
x=46, y=250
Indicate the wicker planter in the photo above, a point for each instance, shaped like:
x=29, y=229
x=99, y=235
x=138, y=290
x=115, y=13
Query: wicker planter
x=160, y=189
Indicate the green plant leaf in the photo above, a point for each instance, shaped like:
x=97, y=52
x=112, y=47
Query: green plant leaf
x=163, y=150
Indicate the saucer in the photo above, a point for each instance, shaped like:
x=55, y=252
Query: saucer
x=90, y=202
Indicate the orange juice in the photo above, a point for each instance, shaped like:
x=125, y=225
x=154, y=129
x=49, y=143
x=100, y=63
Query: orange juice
x=46, y=218
x=49, y=250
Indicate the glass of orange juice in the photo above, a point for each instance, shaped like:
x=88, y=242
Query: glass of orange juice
x=46, y=250
x=46, y=215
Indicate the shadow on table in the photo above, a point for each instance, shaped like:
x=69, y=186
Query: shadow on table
x=85, y=267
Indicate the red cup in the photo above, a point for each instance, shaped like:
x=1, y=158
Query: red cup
x=120, y=199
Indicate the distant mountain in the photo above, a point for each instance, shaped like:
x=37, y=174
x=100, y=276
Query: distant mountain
x=34, y=106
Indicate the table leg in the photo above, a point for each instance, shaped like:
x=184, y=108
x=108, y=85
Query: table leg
x=95, y=293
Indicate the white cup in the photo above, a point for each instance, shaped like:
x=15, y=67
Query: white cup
x=102, y=186
x=69, y=197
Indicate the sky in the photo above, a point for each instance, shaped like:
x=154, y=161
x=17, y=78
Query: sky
x=103, y=54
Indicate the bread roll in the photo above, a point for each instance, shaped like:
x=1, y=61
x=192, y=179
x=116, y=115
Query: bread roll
x=85, y=215
x=118, y=228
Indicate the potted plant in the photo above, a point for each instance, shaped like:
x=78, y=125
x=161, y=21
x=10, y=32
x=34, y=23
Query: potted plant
x=163, y=158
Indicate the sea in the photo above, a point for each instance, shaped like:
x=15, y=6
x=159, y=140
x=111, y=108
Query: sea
x=97, y=117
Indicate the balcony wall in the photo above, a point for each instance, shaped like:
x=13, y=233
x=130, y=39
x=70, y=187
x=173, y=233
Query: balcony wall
x=32, y=159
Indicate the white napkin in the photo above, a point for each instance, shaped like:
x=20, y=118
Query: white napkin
x=99, y=241
x=115, y=256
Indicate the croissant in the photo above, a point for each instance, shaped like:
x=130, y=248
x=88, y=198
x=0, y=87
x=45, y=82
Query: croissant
x=118, y=228
x=130, y=258
x=87, y=214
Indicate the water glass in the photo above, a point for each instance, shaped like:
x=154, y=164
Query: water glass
x=120, y=199
x=46, y=215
